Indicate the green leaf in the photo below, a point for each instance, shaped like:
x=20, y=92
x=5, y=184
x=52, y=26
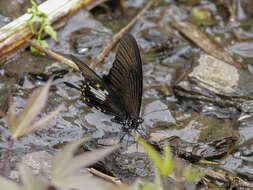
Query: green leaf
x=34, y=23
x=168, y=165
x=34, y=5
x=192, y=175
x=41, y=43
x=152, y=153
x=148, y=186
x=39, y=24
x=156, y=185
x=165, y=166
x=35, y=51
x=51, y=32
x=201, y=14
x=34, y=20
x=30, y=11
x=203, y=17
x=41, y=14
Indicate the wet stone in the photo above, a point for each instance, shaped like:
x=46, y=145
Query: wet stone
x=79, y=37
x=196, y=151
x=128, y=166
x=157, y=113
x=216, y=81
x=88, y=42
x=4, y=20
x=246, y=174
x=156, y=41
x=247, y=150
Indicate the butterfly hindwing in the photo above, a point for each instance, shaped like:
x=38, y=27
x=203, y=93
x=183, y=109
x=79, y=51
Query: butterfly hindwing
x=125, y=77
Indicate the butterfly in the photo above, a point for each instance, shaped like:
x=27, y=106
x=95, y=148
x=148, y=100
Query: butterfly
x=119, y=93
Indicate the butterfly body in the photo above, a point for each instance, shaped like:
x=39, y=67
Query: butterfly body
x=131, y=122
x=120, y=92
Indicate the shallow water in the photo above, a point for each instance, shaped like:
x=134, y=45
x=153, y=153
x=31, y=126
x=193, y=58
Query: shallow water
x=164, y=52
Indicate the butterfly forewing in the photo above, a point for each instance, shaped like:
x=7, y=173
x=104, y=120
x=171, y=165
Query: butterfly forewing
x=125, y=77
x=96, y=94
x=86, y=71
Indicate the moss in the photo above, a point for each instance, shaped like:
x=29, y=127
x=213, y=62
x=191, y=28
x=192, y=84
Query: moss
x=115, y=27
x=203, y=17
x=214, y=129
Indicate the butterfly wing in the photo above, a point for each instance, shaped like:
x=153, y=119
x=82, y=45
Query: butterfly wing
x=125, y=77
x=85, y=70
x=95, y=92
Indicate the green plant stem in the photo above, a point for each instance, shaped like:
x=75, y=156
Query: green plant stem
x=40, y=33
x=165, y=183
x=6, y=157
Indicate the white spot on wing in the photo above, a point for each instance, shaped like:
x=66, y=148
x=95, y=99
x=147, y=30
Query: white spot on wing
x=98, y=93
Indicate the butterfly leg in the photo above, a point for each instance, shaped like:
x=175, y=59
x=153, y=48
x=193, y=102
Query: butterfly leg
x=142, y=133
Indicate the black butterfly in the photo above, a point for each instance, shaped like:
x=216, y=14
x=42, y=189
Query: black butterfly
x=120, y=92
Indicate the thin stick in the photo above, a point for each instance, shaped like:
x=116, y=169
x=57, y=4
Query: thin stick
x=104, y=176
x=117, y=36
x=54, y=55
x=6, y=157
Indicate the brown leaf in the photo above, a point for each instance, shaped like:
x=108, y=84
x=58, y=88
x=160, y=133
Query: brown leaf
x=33, y=107
x=42, y=122
x=22, y=123
x=66, y=167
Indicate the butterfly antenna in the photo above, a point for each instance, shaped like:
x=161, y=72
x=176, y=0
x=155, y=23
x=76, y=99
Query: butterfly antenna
x=72, y=86
x=139, y=131
x=127, y=140
x=135, y=136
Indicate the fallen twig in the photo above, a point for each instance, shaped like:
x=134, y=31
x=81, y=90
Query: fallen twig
x=204, y=42
x=54, y=55
x=117, y=36
x=104, y=176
